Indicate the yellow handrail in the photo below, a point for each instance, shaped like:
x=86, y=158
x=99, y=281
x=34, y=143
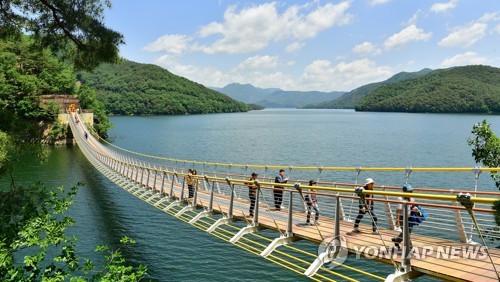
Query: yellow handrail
x=327, y=168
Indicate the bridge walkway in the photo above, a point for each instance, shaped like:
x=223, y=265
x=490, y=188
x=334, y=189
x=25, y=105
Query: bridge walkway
x=447, y=264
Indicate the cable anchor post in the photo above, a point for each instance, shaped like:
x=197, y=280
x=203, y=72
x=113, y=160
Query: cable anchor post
x=320, y=170
x=360, y=192
x=465, y=200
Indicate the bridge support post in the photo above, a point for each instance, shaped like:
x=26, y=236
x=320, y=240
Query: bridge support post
x=142, y=177
x=460, y=225
x=147, y=179
x=388, y=211
x=288, y=237
x=254, y=226
x=405, y=271
x=333, y=247
x=229, y=218
x=209, y=210
x=171, y=194
x=154, y=181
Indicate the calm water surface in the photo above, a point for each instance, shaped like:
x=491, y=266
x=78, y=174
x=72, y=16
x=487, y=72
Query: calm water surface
x=175, y=251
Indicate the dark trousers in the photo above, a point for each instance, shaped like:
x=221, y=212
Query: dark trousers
x=399, y=238
x=278, y=198
x=252, y=197
x=360, y=216
x=191, y=191
x=310, y=207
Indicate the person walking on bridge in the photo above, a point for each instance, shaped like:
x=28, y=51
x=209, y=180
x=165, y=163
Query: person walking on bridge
x=252, y=193
x=278, y=190
x=189, y=181
x=412, y=210
x=312, y=204
x=365, y=206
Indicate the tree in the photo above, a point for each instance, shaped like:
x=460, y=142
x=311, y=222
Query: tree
x=486, y=150
x=75, y=28
x=34, y=227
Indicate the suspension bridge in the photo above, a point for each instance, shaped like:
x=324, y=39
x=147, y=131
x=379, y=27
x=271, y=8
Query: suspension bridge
x=454, y=242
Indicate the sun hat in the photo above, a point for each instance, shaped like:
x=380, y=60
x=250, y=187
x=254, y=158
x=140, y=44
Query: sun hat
x=368, y=181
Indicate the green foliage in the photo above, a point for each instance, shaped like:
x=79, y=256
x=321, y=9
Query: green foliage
x=57, y=132
x=116, y=269
x=6, y=148
x=470, y=89
x=33, y=221
x=28, y=73
x=130, y=88
x=486, y=148
x=496, y=207
x=34, y=245
x=74, y=29
x=351, y=99
x=88, y=100
x=254, y=107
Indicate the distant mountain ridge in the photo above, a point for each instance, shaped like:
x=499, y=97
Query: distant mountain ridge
x=350, y=99
x=275, y=97
x=468, y=89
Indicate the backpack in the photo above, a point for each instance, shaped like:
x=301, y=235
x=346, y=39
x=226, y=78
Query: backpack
x=416, y=217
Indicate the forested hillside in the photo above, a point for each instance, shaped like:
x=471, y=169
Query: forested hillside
x=350, y=99
x=130, y=88
x=469, y=89
x=28, y=72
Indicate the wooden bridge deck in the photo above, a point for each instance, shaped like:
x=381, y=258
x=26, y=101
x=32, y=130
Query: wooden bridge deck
x=445, y=265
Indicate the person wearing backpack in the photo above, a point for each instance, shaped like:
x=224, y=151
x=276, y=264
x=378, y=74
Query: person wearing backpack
x=415, y=215
x=312, y=204
x=366, y=207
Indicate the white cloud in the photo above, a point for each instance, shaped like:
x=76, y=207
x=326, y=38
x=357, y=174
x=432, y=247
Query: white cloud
x=258, y=62
x=413, y=20
x=207, y=76
x=468, y=58
x=252, y=28
x=465, y=36
x=443, y=7
x=377, y=2
x=295, y=46
x=173, y=44
x=497, y=29
x=322, y=75
x=366, y=48
x=411, y=33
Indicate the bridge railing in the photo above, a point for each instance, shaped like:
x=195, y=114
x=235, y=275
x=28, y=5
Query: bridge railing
x=447, y=219
x=444, y=220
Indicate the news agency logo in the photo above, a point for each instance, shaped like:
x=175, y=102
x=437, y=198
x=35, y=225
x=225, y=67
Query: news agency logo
x=333, y=251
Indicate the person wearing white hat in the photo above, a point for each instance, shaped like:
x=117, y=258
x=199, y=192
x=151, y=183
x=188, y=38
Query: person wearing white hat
x=364, y=207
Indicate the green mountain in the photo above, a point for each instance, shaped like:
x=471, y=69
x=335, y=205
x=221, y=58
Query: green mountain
x=275, y=97
x=246, y=93
x=350, y=99
x=130, y=88
x=469, y=89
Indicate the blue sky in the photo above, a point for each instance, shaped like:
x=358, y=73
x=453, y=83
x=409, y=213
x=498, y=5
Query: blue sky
x=306, y=45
